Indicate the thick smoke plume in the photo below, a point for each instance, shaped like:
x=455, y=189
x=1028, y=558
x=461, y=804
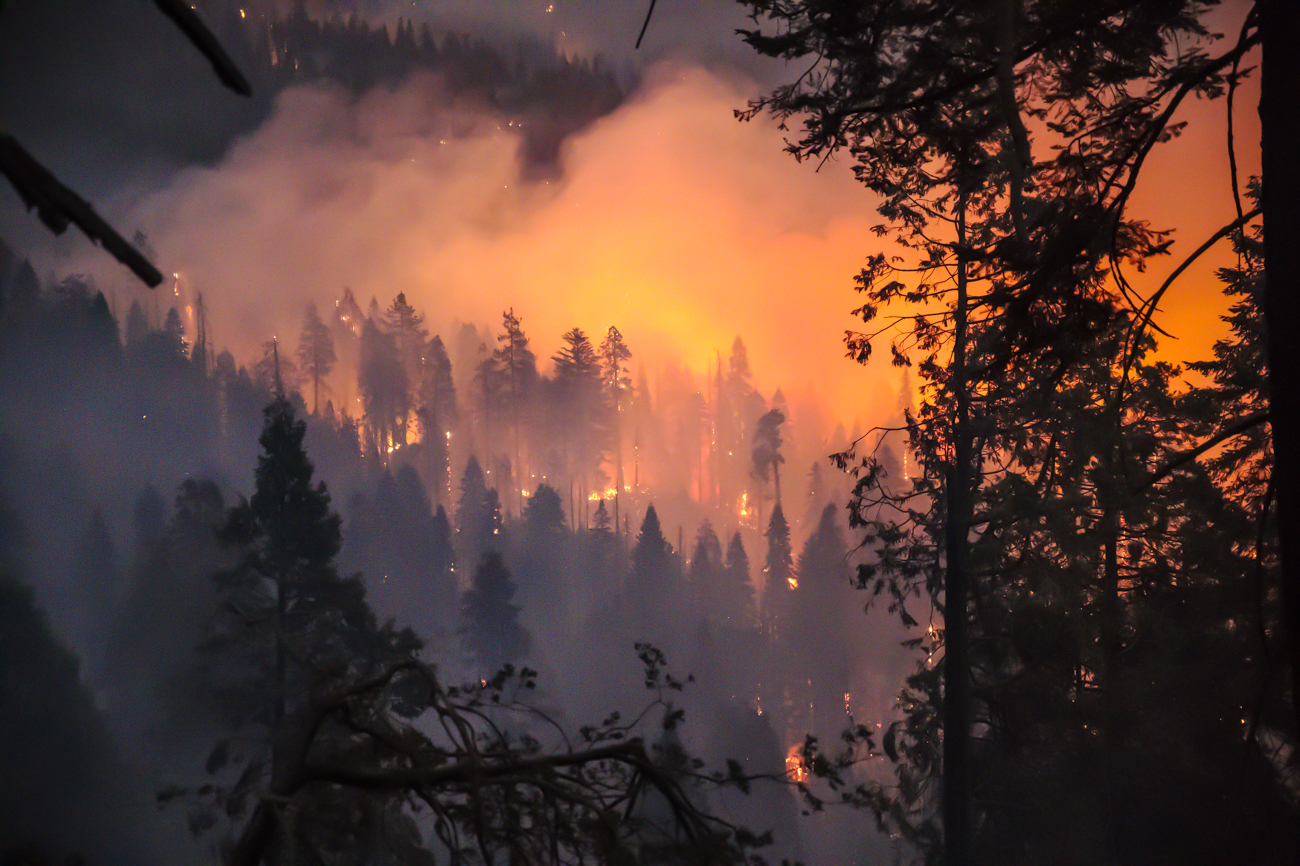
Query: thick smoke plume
x=667, y=221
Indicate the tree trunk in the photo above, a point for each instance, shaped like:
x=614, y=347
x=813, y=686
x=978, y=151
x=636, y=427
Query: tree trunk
x=956, y=655
x=1280, y=131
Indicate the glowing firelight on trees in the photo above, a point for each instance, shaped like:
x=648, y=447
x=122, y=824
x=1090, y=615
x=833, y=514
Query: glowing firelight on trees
x=794, y=766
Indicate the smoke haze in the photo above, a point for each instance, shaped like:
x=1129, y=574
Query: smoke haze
x=666, y=221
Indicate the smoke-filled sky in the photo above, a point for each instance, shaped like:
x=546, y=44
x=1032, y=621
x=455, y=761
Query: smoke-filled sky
x=670, y=219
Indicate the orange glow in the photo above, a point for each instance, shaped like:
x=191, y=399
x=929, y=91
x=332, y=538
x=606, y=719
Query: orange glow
x=659, y=239
x=673, y=221
x=793, y=765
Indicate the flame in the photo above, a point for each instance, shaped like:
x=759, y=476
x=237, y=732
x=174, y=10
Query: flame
x=793, y=764
x=744, y=504
x=793, y=581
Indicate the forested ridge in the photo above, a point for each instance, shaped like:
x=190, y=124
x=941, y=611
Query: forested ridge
x=559, y=576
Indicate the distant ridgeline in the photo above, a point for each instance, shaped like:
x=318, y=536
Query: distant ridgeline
x=527, y=80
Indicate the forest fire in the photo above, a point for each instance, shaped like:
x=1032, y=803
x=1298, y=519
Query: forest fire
x=795, y=769
x=550, y=320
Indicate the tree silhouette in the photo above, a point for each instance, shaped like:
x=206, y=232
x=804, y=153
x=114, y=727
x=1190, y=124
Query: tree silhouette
x=438, y=414
x=655, y=591
x=518, y=370
x=1030, y=269
x=767, y=448
x=288, y=616
x=778, y=576
x=736, y=600
x=385, y=390
x=315, y=352
x=491, y=633
x=478, y=517
x=614, y=354
x=541, y=562
x=705, y=574
x=580, y=402
x=411, y=339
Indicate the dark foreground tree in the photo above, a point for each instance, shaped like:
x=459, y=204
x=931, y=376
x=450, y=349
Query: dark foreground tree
x=1029, y=528
x=345, y=746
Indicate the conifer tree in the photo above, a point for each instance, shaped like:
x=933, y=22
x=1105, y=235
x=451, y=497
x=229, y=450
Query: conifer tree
x=778, y=577
x=581, y=405
x=736, y=600
x=541, y=561
x=385, y=392
x=473, y=524
x=438, y=414
x=411, y=338
x=823, y=605
x=518, y=369
x=491, y=632
x=655, y=590
x=614, y=354
x=767, y=448
x=288, y=537
x=705, y=574
x=316, y=355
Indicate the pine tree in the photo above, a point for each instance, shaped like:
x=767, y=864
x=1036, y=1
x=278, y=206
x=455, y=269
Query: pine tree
x=778, y=577
x=822, y=611
x=518, y=370
x=541, y=561
x=385, y=392
x=478, y=518
x=315, y=353
x=736, y=599
x=655, y=591
x=767, y=449
x=705, y=574
x=491, y=632
x=441, y=567
x=438, y=414
x=614, y=354
x=411, y=338
x=580, y=403
x=288, y=538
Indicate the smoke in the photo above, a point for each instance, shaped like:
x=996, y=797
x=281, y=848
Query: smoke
x=670, y=220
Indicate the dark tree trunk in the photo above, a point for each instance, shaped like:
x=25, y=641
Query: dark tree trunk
x=956, y=655
x=1280, y=132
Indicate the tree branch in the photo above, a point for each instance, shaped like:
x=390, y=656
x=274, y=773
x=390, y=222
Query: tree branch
x=1186, y=457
